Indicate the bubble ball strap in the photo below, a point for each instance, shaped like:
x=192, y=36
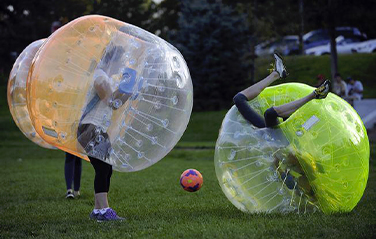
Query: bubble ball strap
x=128, y=81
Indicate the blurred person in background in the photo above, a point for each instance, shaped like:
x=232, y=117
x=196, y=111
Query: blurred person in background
x=339, y=86
x=354, y=90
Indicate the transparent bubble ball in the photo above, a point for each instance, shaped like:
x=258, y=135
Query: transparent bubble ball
x=17, y=93
x=98, y=82
x=316, y=160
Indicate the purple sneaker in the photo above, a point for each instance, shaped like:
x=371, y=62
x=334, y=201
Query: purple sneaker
x=109, y=215
x=93, y=215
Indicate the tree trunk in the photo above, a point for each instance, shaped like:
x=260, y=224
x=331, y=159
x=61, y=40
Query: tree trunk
x=301, y=43
x=253, y=40
x=253, y=57
x=332, y=34
x=333, y=51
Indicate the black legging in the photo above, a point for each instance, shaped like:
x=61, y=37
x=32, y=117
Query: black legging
x=103, y=172
x=86, y=134
x=270, y=115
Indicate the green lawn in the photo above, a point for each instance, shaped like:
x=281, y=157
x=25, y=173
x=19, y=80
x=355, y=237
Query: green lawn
x=32, y=187
x=32, y=200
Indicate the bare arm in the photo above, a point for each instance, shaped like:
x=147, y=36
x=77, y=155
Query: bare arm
x=104, y=91
x=102, y=87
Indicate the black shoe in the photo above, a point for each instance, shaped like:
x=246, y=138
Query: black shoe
x=69, y=194
x=323, y=90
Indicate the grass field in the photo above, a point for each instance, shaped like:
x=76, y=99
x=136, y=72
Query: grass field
x=32, y=188
x=32, y=203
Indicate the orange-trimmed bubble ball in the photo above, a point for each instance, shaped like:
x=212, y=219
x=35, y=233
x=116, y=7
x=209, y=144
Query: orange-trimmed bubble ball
x=191, y=180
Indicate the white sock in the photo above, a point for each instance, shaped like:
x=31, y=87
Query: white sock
x=96, y=211
x=103, y=210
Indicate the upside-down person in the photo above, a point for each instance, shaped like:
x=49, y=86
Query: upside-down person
x=271, y=115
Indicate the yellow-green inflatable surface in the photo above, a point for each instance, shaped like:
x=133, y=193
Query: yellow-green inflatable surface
x=316, y=159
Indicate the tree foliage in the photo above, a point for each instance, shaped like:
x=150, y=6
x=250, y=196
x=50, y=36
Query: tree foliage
x=165, y=19
x=136, y=12
x=216, y=37
x=213, y=39
x=330, y=14
x=24, y=21
x=350, y=13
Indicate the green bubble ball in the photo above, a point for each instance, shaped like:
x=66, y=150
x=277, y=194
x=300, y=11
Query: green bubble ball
x=317, y=159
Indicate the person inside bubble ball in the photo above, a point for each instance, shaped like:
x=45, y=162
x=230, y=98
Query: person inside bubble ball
x=290, y=177
x=112, y=87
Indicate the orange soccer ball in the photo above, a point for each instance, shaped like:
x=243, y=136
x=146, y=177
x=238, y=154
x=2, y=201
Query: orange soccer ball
x=191, y=180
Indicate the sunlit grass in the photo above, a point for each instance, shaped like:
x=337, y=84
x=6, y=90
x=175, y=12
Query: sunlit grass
x=32, y=202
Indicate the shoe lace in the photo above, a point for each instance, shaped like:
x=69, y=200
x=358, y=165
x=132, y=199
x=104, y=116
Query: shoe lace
x=111, y=213
x=320, y=89
x=323, y=87
x=272, y=68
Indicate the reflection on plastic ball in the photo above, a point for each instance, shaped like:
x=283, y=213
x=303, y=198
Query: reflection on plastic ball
x=113, y=92
x=315, y=160
x=17, y=93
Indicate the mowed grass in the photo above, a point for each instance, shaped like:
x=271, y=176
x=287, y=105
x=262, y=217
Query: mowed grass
x=32, y=186
x=32, y=203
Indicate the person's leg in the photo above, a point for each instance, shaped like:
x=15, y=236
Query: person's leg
x=278, y=71
x=68, y=172
x=77, y=174
x=102, y=210
x=102, y=172
x=254, y=90
x=101, y=200
x=288, y=109
x=271, y=117
x=109, y=179
x=241, y=100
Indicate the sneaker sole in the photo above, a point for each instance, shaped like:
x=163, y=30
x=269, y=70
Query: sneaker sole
x=120, y=220
x=284, y=75
x=279, y=55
